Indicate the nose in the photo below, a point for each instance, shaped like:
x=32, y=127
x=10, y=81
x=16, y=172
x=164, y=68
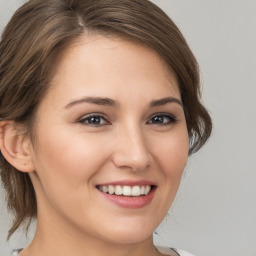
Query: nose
x=131, y=149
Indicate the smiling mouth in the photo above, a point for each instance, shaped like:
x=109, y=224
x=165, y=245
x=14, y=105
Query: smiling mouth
x=129, y=191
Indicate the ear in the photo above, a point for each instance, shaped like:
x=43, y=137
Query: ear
x=16, y=146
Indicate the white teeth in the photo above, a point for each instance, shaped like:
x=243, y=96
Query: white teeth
x=147, y=189
x=136, y=191
x=142, y=190
x=118, y=190
x=125, y=190
x=111, y=189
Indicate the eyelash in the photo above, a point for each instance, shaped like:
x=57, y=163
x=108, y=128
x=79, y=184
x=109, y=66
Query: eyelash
x=161, y=117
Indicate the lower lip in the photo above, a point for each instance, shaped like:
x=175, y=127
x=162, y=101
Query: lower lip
x=130, y=202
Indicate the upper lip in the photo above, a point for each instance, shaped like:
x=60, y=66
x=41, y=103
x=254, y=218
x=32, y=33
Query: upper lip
x=129, y=183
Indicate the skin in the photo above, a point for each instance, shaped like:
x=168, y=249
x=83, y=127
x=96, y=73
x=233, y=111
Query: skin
x=71, y=155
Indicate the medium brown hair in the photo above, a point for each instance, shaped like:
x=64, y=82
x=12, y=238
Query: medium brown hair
x=41, y=30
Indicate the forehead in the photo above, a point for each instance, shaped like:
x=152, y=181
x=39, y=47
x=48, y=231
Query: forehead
x=107, y=65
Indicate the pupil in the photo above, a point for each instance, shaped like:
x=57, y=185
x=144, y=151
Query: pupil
x=158, y=119
x=94, y=120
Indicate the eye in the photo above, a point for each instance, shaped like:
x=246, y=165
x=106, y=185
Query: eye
x=94, y=120
x=162, y=119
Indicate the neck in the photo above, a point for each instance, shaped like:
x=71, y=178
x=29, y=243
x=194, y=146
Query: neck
x=65, y=240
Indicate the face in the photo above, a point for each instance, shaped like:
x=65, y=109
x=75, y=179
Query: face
x=111, y=141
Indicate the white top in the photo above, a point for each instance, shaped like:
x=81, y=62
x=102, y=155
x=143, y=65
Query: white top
x=164, y=250
x=172, y=252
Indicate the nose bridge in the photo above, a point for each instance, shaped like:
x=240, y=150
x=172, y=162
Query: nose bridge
x=132, y=150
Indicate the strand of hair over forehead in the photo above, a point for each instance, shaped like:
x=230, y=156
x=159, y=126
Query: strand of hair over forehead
x=72, y=3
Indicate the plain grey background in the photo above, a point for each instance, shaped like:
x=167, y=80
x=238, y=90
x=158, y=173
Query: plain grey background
x=215, y=211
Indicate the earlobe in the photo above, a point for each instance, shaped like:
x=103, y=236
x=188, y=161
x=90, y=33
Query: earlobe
x=15, y=147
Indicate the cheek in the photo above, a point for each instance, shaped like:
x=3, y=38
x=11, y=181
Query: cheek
x=67, y=160
x=172, y=153
x=66, y=166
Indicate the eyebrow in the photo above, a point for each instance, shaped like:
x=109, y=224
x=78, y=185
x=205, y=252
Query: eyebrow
x=164, y=101
x=109, y=102
x=93, y=100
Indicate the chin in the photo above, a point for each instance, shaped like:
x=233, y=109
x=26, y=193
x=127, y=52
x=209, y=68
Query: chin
x=128, y=238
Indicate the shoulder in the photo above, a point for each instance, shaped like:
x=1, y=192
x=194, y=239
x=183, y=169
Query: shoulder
x=173, y=252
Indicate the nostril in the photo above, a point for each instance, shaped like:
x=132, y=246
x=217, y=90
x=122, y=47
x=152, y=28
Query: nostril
x=134, y=164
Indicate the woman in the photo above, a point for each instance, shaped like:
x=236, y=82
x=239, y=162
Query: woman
x=99, y=110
